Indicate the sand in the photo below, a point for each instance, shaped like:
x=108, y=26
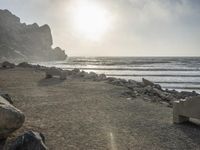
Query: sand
x=87, y=115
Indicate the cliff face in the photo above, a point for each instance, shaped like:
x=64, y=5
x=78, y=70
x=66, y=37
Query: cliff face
x=26, y=42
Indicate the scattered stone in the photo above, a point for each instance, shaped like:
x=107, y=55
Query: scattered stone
x=29, y=141
x=7, y=65
x=11, y=118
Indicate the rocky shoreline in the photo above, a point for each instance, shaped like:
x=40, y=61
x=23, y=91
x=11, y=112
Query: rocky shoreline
x=146, y=89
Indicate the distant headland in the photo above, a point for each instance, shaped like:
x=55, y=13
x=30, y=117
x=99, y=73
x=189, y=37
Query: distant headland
x=22, y=42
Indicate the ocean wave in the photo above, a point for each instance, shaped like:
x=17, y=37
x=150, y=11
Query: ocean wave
x=136, y=69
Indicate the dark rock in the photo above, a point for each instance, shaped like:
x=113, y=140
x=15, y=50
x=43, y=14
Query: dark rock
x=25, y=65
x=147, y=82
x=7, y=65
x=29, y=141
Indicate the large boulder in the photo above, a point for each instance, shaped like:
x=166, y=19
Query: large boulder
x=11, y=118
x=29, y=141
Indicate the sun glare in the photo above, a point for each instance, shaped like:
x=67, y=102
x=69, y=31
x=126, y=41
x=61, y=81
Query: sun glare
x=90, y=19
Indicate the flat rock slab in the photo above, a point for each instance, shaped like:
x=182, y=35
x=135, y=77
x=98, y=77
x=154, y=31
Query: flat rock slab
x=76, y=114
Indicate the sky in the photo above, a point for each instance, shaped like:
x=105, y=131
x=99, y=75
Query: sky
x=116, y=27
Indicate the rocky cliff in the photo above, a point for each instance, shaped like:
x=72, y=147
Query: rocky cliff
x=19, y=41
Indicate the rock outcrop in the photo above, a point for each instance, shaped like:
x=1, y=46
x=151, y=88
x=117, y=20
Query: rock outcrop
x=23, y=42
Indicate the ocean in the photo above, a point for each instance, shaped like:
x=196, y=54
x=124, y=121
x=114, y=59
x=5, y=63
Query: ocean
x=180, y=73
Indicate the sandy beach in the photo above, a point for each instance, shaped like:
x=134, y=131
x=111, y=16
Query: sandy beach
x=83, y=114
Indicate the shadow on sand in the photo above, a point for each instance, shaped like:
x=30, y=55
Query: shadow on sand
x=191, y=129
x=49, y=82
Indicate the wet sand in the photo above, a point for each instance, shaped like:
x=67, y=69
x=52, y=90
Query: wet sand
x=81, y=114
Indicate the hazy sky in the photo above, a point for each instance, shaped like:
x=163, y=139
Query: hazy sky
x=130, y=27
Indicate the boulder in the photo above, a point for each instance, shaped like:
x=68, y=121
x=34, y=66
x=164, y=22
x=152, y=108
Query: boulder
x=7, y=65
x=50, y=72
x=102, y=77
x=29, y=141
x=82, y=74
x=92, y=75
x=24, y=65
x=147, y=82
x=75, y=71
x=11, y=118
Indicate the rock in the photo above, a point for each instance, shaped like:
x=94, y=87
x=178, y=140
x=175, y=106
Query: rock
x=29, y=141
x=6, y=96
x=92, y=75
x=7, y=65
x=131, y=84
x=75, y=71
x=186, y=94
x=110, y=79
x=26, y=42
x=25, y=65
x=101, y=77
x=50, y=72
x=11, y=118
x=147, y=82
x=82, y=74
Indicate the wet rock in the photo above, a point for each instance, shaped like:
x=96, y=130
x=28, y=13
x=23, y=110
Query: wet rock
x=29, y=141
x=7, y=65
x=11, y=118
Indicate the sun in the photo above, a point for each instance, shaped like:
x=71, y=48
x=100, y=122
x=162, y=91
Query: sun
x=90, y=19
